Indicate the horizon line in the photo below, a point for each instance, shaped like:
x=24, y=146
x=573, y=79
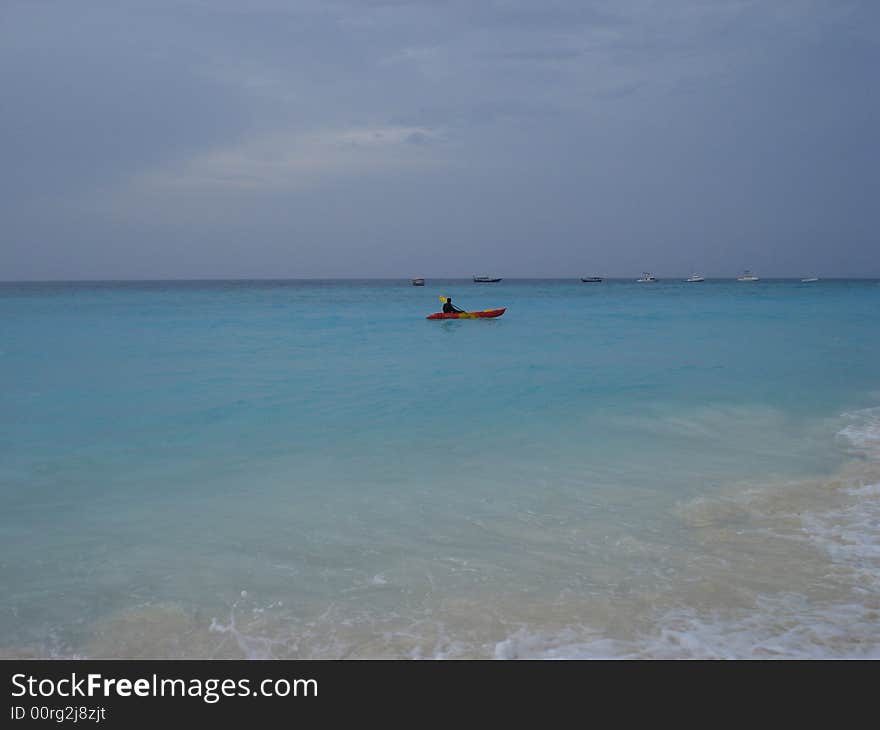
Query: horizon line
x=671, y=277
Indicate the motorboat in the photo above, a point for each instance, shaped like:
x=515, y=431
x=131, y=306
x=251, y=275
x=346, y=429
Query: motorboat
x=647, y=277
x=693, y=278
x=747, y=276
x=485, y=280
x=591, y=279
x=418, y=281
x=809, y=279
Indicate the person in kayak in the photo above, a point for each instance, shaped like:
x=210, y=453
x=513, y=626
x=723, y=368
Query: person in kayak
x=449, y=307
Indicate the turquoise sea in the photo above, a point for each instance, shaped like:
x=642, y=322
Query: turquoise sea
x=310, y=469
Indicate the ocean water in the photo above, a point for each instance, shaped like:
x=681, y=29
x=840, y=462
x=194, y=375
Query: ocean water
x=313, y=470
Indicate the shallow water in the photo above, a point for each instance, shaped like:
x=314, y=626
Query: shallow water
x=312, y=469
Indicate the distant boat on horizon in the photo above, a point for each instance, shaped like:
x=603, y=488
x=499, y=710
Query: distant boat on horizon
x=591, y=279
x=747, y=276
x=647, y=277
x=809, y=279
x=486, y=280
x=693, y=278
x=417, y=281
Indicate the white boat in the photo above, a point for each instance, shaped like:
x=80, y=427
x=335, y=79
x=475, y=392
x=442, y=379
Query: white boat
x=747, y=276
x=647, y=277
x=809, y=279
x=417, y=281
x=693, y=278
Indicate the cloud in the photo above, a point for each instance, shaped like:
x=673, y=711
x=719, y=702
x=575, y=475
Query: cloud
x=530, y=120
x=285, y=161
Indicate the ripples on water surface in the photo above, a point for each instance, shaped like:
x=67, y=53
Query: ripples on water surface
x=312, y=469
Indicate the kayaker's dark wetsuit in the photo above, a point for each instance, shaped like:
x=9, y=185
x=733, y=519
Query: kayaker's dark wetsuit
x=449, y=307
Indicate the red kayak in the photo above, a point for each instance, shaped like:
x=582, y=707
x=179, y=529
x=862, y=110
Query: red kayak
x=485, y=314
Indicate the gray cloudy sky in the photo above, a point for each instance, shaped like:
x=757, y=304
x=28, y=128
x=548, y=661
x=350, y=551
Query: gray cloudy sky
x=263, y=138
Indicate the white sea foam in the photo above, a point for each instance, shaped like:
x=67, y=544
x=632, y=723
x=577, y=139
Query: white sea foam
x=820, y=539
x=861, y=435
